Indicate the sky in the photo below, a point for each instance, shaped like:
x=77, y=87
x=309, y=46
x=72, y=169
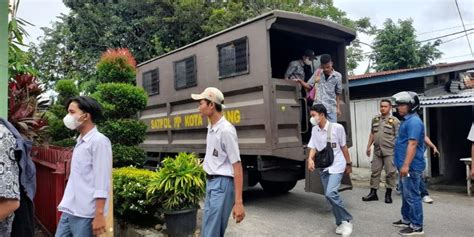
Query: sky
x=431, y=18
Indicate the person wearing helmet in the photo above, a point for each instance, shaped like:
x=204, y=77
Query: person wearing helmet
x=409, y=149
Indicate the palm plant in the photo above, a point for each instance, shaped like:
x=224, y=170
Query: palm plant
x=180, y=183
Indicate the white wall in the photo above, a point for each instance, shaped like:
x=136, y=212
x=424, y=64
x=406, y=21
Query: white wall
x=362, y=112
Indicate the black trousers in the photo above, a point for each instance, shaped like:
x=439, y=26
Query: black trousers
x=24, y=221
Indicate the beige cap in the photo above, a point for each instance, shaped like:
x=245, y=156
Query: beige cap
x=212, y=94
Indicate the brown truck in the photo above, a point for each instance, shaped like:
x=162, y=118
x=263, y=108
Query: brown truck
x=247, y=63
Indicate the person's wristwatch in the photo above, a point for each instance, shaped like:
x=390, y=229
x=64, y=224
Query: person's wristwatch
x=349, y=164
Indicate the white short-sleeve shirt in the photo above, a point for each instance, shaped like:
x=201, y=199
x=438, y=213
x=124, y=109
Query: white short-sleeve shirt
x=222, y=149
x=91, y=172
x=338, y=139
x=471, y=133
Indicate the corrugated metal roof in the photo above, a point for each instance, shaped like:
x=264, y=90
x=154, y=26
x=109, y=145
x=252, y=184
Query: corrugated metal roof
x=385, y=73
x=464, y=98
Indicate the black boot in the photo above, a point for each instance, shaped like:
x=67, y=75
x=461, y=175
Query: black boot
x=372, y=196
x=388, y=195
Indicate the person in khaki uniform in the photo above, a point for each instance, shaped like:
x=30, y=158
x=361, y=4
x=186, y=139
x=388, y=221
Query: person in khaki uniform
x=383, y=133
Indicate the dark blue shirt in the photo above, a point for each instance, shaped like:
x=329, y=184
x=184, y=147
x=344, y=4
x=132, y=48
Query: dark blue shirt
x=410, y=129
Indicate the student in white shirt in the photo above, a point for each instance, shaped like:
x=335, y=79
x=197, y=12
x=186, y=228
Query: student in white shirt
x=222, y=165
x=331, y=176
x=85, y=201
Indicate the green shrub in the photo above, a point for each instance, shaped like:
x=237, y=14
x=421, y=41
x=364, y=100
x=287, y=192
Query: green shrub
x=66, y=89
x=58, y=110
x=180, y=183
x=68, y=142
x=115, y=70
x=128, y=155
x=120, y=100
x=124, y=131
x=130, y=188
x=89, y=87
x=56, y=129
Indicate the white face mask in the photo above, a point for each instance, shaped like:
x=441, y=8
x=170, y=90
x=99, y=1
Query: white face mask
x=307, y=61
x=71, y=122
x=314, y=121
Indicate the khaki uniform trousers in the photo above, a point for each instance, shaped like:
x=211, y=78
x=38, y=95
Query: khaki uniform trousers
x=380, y=162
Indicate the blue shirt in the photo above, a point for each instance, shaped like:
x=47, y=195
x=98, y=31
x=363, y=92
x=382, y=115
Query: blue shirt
x=410, y=129
x=91, y=173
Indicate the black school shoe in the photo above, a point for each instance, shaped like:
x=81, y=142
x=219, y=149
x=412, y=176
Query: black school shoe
x=410, y=231
x=400, y=223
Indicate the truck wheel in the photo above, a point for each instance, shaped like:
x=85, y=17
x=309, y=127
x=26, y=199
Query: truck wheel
x=277, y=187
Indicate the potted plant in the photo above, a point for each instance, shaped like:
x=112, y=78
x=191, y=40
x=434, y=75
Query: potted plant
x=179, y=186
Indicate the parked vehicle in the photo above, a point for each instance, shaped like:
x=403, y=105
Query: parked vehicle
x=247, y=63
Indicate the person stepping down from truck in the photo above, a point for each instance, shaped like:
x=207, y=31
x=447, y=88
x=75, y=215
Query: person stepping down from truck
x=329, y=88
x=329, y=140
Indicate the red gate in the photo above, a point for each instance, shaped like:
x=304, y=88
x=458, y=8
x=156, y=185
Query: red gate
x=51, y=173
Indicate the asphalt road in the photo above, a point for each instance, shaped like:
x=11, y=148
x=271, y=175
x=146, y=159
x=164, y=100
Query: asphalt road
x=298, y=213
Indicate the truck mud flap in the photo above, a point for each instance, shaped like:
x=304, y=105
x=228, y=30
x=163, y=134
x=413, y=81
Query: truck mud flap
x=313, y=182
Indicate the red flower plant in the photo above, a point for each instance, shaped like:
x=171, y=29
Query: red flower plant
x=23, y=93
x=112, y=54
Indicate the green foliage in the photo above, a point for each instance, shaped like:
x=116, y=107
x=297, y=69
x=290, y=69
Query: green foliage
x=127, y=155
x=89, y=87
x=130, y=200
x=66, y=89
x=116, y=70
x=124, y=131
x=67, y=143
x=56, y=129
x=180, y=183
x=151, y=28
x=18, y=60
x=120, y=100
x=57, y=110
x=396, y=47
x=56, y=56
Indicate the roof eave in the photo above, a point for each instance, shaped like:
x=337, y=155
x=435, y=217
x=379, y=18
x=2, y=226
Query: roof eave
x=392, y=77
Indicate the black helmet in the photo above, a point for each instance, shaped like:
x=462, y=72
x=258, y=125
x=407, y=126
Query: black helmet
x=407, y=97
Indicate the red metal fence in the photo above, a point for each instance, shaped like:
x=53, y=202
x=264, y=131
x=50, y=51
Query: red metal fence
x=51, y=173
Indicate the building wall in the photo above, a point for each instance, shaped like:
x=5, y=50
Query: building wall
x=362, y=112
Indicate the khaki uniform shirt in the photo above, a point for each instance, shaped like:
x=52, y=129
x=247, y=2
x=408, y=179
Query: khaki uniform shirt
x=385, y=131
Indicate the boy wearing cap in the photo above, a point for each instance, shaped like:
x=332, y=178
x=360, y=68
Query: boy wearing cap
x=222, y=165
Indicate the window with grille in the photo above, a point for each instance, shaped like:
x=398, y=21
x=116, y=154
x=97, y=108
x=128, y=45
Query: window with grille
x=185, y=73
x=151, y=82
x=233, y=58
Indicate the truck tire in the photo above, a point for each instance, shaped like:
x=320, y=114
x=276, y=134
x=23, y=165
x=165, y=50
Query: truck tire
x=277, y=187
